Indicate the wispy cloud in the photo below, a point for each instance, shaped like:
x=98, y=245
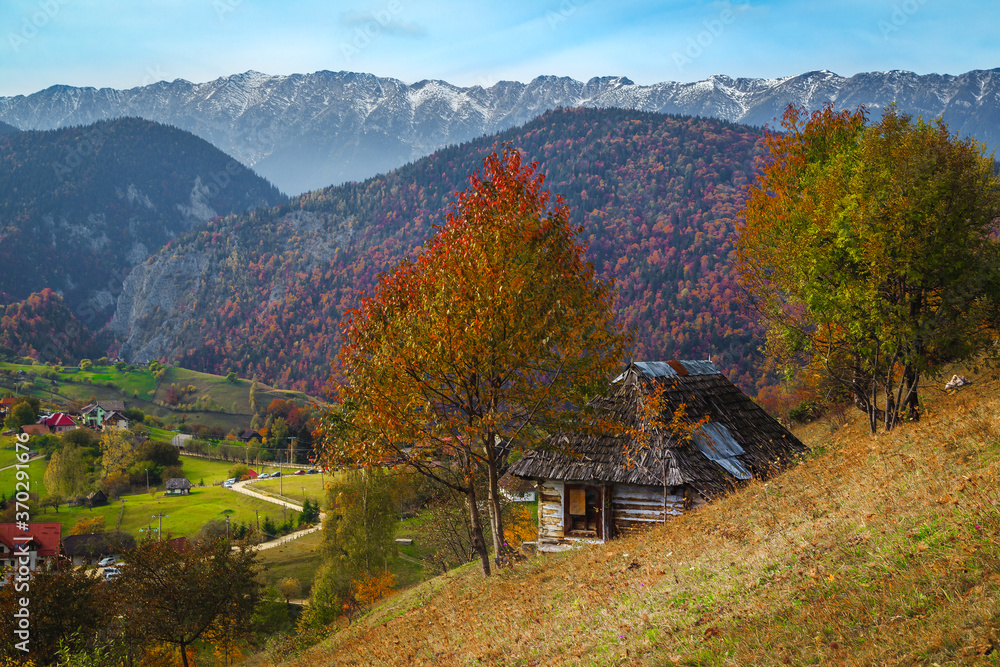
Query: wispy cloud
x=387, y=22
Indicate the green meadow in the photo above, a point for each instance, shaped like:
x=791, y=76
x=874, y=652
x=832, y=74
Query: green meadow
x=183, y=515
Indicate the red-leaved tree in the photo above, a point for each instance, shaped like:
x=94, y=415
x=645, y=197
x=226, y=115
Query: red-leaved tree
x=494, y=335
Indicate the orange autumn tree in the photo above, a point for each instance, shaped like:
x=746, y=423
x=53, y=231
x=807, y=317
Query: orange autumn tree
x=493, y=334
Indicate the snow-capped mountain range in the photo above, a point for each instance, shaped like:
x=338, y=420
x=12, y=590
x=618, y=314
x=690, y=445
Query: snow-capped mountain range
x=306, y=131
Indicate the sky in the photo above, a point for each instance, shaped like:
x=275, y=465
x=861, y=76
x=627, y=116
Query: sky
x=129, y=43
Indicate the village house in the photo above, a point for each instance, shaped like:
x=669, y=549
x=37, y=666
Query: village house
x=115, y=420
x=598, y=485
x=42, y=540
x=58, y=423
x=5, y=405
x=96, y=498
x=178, y=486
x=36, y=429
x=95, y=414
x=250, y=434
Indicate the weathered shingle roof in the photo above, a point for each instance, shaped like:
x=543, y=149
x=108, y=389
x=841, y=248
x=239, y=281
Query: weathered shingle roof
x=740, y=438
x=178, y=483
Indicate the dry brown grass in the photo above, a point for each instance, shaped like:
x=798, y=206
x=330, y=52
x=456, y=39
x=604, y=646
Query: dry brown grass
x=877, y=550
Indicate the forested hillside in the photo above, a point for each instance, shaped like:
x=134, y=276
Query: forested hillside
x=42, y=327
x=81, y=206
x=656, y=196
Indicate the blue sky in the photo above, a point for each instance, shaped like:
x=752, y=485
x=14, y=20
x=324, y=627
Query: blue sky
x=128, y=43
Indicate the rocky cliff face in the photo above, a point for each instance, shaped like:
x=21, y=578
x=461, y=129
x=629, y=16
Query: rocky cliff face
x=153, y=298
x=308, y=131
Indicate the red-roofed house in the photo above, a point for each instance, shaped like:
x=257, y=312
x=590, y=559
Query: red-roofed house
x=6, y=404
x=58, y=423
x=40, y=541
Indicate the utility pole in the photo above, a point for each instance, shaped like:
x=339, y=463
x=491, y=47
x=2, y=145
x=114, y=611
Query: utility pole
x=147, y=479
x=227, y=526
x=159, y=528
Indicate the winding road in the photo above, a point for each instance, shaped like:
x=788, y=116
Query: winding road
x=240, y=487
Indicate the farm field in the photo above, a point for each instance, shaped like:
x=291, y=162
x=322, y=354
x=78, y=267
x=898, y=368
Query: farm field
x=184, y=515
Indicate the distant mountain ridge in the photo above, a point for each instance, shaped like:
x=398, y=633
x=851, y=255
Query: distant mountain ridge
x=306, y=131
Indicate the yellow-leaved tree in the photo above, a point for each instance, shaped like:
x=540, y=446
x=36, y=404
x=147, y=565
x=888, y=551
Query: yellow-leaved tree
x=870, y=250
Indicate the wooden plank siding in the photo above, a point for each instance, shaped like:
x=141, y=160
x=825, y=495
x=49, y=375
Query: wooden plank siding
x=636, y=507
x=551, y=517
x=627, y=508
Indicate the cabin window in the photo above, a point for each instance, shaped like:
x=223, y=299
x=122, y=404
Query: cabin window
x=583, y=506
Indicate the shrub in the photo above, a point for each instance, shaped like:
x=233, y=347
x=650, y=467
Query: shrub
x=239, y=471
x=806, y=411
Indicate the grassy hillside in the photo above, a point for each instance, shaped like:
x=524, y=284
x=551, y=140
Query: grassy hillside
x=295, y=488
x=65, y=386
x=873, y=550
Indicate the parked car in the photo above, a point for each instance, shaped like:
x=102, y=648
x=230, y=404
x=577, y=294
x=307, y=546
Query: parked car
x=266, y=475
x=275, y=474
x=107, y=561
x=312, y=471
x=111, y=573
x=300, y=472
x=228, y=483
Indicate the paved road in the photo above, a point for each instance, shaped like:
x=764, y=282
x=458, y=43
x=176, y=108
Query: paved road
x=36, y=456
x=240, y=487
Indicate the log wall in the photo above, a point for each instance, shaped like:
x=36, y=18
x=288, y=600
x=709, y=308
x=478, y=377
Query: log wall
x=637, y=507
x=550, y=510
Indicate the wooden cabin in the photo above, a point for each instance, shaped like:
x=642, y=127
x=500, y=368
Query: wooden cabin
x=597, y=485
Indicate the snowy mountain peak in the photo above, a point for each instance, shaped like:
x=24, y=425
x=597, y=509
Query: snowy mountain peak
x=304, y=131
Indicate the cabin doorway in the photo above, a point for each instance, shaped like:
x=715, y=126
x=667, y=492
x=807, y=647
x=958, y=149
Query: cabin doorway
x=583, y=511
